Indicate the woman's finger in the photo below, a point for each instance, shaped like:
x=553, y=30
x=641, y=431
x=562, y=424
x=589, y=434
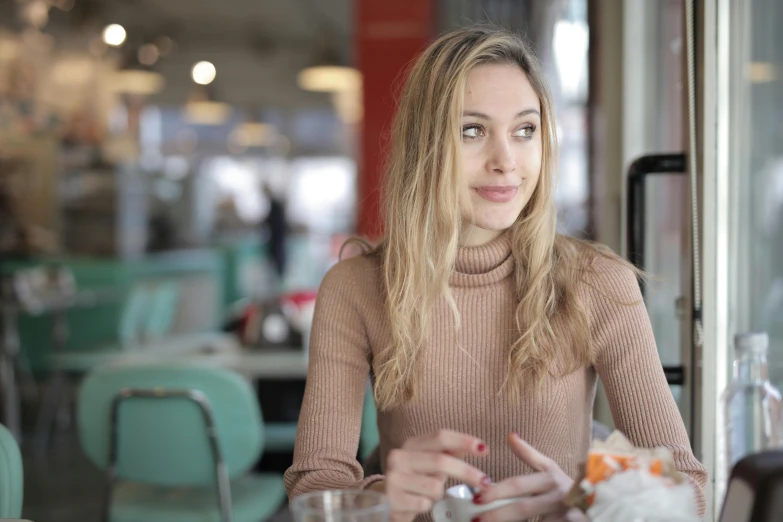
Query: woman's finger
x=429, y=463
x=404, y=502
x=536, y=460
x=422, y=485
x=519, y=486
x=525, y=508
x=448, y=441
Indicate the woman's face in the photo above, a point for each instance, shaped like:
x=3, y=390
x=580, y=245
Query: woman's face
x=501, y=149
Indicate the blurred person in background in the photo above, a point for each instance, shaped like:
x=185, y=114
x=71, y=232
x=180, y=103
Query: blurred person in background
x=483, y=330
x=275, y=228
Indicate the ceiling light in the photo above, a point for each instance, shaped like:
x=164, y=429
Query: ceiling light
x=148, y=54
x=252, y=134
x=114, y=35
x=137, y=81
x=328, y=71
x=64, y=5
x=134, y=77
x=204, y=73
x=348, y=106
x=330, y=78
x=165, y=45
x=207, y=113
x=202, y=108
x=72, y=71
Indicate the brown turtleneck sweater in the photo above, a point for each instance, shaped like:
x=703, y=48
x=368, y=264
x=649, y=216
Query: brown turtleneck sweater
x=460, y=390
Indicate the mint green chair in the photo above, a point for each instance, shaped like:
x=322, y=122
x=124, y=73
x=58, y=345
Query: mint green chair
x=146, y=320
x=11, y=476
x=177, y=442
x=130, y=330
x=130, y=334
x=162, y=310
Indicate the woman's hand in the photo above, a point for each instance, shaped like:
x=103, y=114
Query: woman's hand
x=416, y=473
x=543, y=490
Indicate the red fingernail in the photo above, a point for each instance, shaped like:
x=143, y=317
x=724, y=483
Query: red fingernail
x=475, y=519
x=482, y=447
x=486, y=481
x=477, y=498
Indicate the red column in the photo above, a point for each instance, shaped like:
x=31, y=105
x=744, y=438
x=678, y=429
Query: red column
x=389, y=35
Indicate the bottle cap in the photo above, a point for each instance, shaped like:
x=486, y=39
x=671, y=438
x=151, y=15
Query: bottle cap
x=751, y=342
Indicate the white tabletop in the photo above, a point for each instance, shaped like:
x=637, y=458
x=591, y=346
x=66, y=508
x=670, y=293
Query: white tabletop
x=220, y=349
x=253, y=364
x=260, y=364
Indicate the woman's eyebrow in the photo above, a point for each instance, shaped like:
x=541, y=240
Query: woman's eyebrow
x=482, y=116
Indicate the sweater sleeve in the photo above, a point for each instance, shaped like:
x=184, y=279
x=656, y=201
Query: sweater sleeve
x=329, y=426
x=626, y=359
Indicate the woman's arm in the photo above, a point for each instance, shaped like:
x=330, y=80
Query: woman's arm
x=327, y=436
x=627, y=361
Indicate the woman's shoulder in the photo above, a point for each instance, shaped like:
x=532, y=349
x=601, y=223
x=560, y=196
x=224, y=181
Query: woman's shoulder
x=360, y=273
x=603, y=271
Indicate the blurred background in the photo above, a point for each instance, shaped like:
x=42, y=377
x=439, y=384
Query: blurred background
x=176, y=177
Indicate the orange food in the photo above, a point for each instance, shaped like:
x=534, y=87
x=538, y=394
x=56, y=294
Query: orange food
x=602, y=464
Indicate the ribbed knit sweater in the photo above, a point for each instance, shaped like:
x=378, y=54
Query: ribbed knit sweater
x=463, y=372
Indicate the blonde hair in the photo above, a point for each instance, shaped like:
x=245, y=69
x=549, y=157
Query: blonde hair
x=424, y=219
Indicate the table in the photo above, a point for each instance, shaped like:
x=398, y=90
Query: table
x=261, y=365
x=253, y=364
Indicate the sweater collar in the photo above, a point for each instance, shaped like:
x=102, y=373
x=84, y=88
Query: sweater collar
x=484, y=264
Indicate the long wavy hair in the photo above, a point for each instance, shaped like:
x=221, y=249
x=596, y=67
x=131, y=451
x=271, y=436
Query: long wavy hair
x=424, y=209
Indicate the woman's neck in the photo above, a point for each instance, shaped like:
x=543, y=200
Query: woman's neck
x=473, y=236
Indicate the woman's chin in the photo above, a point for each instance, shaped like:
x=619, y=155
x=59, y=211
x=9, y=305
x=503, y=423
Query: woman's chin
x=496, y=223
x=481, y=233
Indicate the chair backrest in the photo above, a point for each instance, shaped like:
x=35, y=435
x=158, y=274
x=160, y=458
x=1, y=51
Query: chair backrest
x=164, y=300
x=133, y=315
x=11, y=476
x=164, y=440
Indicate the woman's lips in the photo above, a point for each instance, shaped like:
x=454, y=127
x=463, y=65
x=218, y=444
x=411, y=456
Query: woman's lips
x=497, y=194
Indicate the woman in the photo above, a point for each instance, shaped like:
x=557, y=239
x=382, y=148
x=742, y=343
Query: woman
x=483, y=329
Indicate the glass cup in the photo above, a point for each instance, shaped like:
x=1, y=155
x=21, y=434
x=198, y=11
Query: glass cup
x=341, y=506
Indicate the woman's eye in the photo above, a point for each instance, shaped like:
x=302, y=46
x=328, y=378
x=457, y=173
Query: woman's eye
x=525, y=132
x=472, y=132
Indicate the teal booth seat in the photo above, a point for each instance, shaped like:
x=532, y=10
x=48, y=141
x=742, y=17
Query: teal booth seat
x=369, y=437
x=145, y=323
x=177, y=441
x=131, y=290
x=11, y=476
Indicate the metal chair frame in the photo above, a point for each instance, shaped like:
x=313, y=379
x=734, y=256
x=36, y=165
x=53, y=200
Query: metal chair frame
x=201, y=400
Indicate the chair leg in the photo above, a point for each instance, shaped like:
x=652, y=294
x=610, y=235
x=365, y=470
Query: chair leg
x=10, y=396
x=224, y=492
x=49, y=409
x=111, y=478
x=9, y=351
